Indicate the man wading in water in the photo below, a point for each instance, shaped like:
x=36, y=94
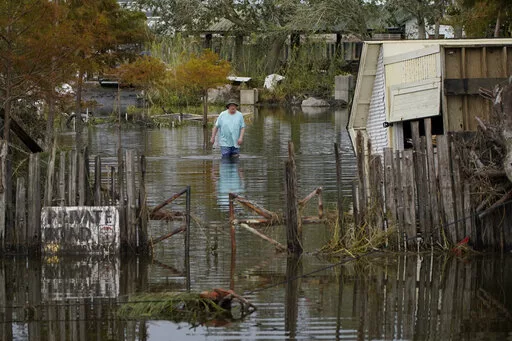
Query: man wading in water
x=231, y=127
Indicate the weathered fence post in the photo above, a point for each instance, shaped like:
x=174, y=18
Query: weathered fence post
x=399, y=195
x=409, y=190
x=62, y=179
x=419, y=171
x=72, y=178
x=389, y=186
x=432, y=184
x=446, y=187
x=143, y=208
x=293, y=223
x=458, y=193
x=376, y=194
x=3, y=184
x=131, y=211
x=339, y=196
x=97, y=181
x=48, y=195
x=34, y=204
x=21, y=214
x=122, y=205
x=361, y=175
x=187, y=237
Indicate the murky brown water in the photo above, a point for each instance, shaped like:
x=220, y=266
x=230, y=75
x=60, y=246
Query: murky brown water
x=392, y=297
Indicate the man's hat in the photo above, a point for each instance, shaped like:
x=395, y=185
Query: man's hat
x=231, y=101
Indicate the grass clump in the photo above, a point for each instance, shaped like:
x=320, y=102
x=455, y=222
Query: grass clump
x=174, y=306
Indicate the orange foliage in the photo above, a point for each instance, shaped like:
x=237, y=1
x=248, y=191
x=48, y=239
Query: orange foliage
x=144, y=72
x=202, y=72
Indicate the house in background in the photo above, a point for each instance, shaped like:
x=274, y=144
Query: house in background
x=402, y=81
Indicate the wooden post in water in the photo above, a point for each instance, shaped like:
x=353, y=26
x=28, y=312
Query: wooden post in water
x=361, y=175
x=81, y=178
x=34, y=204
x=187, y=238
x=432, y=184
x=389, y=186
x=97, y=181
x=376, y=192
x=446, y=188
x=122, y=204
x=20, y=226
x=399, y=195
x=3, y=197
x=143, y=208
x=458, y=193
x=131, y=212
x=62, y=179
x=48, y=194
x=339, y=196
x=409, y=197
x=293, y=223
x=419, y=171
x=72, y=178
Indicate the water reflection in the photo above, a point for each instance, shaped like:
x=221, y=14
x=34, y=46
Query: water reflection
x=229, y=179
x=420, y=297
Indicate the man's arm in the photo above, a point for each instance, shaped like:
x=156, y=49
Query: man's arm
x=214, y=132
x=241, y=137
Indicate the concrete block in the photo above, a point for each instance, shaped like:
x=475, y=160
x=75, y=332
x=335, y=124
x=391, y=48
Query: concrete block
x=343, y=87
x=249, y=96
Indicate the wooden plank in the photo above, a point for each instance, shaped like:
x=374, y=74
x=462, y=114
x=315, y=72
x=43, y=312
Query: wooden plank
x=446, y=188
x=143, y=208
x=339, y=192
x=361, y=176
x=21, y=213
x=389, y=188
x=467, y=213
x=458, y=193
x=423, y=197
x=409, y=198
x=27, y=140
x=34, y=204
x=131, y=196
x=81, y=179
x=376, y=193
x=97, y=181
x=469, y=86
x=433, y=188
x=419, y=171
x=87, y=193
x=399, y=195
x=3, y=185
x=50, y=176
x=355, y=203
x=293, y=224
x=62, y=179
x=122, y=196
x=72, y=179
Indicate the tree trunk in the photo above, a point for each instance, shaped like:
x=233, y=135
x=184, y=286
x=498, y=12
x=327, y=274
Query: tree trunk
x=49, y=122
x=78, y=112
x=436, y=29
x=205, y=109
x=422, y=32
x=273, y=59
x=498, y=24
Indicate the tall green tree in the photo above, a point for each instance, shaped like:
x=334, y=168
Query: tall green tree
x=482, y=18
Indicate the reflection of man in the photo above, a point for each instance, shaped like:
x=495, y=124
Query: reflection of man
x=229, y=181
x=231, y=127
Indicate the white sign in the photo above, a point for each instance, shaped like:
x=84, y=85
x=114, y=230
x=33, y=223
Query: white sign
x=80, y=229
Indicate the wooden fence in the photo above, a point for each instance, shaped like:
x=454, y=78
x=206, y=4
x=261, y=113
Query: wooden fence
x=423, y=195
x=69, y=182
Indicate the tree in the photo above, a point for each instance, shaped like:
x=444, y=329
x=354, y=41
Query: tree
x=482, y=18
x=107, y=34
x=145, y=72
x=200, y=73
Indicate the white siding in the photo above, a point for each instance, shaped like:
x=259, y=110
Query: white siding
x=377, y=113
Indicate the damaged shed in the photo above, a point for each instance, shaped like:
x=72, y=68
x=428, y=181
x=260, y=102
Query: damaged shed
x=403, y=81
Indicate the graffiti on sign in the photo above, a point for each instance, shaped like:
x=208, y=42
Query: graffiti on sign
x=80, y=229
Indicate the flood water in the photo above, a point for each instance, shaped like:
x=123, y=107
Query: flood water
x=378, y=297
